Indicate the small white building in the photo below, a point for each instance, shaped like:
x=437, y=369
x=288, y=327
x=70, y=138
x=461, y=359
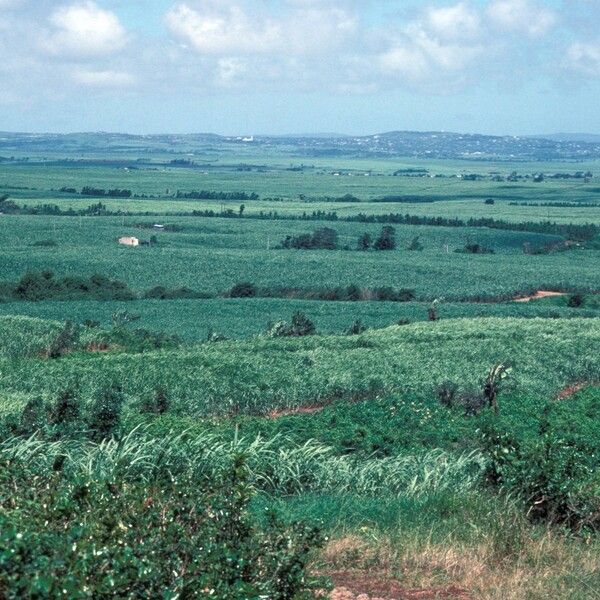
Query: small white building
x=129, y=241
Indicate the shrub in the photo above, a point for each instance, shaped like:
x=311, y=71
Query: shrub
x=324, y=238
x=159, y=403
x=447, y=393
x=555, y=475
x=243, y=290
x=64, y=342
x=66, y=411
x=172, y=537
x=472, y=248
x=415, y=244
x=364, y=242
x=356, y=328
x=300, y=326
x=389, y=294
x=386, y=239
x=575, y=301
x=105, y=413
x=45, y=244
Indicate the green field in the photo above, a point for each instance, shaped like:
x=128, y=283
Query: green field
x=212, y=255
x=446, y=446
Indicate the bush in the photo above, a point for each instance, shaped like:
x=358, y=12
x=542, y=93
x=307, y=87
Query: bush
x=447, y=393
x=105, y=413
x=555, y=475
x=171, y=537
x=356, y=328
x=472, y=248
x=159, y=403
x=243, y=290
x=364, y=242
x=389, y=294
x=43, y=285
x=415, y=244
x=575, y=301
x=45, y=244
x=64, y=342
x=324, y=238
x=386, y=239
x=300, y=326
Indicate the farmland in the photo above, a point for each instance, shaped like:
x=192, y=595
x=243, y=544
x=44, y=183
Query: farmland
x=330, y=392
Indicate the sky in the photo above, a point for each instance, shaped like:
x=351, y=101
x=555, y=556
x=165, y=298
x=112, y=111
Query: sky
x=510, y=67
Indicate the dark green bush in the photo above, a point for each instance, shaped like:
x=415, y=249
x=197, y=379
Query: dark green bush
x=104, y=415
x=64, y=342
x=243, y=290
x=554, y=470
x=324, y=238
x=575, y=300
x=356, y=328
x=386, y=239
x=185, y=536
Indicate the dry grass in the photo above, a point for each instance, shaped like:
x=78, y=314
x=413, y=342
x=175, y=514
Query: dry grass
x=549, y=565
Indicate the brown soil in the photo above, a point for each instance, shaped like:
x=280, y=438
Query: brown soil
x=303, y=410
x=539, y=295
x=98, y=347
x=360, y=586
x=575, y=388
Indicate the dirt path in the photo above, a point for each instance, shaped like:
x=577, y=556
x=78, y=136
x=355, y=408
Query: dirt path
x=362, y=586
x=575, y=388
x=539, y=295
x=303, y=410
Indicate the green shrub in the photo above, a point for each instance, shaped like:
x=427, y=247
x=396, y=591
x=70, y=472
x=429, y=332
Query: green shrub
x=187, y=536
x=243, y=290
x=64, y=342
x=356, y=328
x=105, y=413
x=386, y=239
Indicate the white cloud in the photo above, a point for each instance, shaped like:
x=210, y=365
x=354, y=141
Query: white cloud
x=103, y=79
x=522, y=16
x=436, y=48
x=584, y=58
x=454, y=22
x=84, y=30
x=231, y=30
x=214, y=32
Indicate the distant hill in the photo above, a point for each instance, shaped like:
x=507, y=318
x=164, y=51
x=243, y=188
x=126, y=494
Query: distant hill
x=589, y=138
x=417, y=144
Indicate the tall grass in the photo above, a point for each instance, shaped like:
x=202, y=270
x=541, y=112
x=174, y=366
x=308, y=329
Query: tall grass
x=274, y=467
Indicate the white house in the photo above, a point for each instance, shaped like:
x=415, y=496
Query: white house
x=129, y=241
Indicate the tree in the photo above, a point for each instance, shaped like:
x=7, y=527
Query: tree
x=386, y=239
x=364, y=242
x=415, y=244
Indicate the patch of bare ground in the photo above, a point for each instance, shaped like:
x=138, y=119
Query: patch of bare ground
x=539, y=295
x=98, y=347
x=575, y=388
x=368, y=586
x=302, y=410
x=534, y=566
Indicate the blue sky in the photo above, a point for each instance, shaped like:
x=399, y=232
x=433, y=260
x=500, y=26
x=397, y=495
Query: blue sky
x=280, y=66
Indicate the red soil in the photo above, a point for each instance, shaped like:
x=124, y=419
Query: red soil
x=575, y=388
x=539, y=295
x=360, y=586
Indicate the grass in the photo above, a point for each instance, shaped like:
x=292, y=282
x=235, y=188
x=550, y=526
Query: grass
x=212, y=255
x=262, y=375
x=193, y=320
x=401, y=484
